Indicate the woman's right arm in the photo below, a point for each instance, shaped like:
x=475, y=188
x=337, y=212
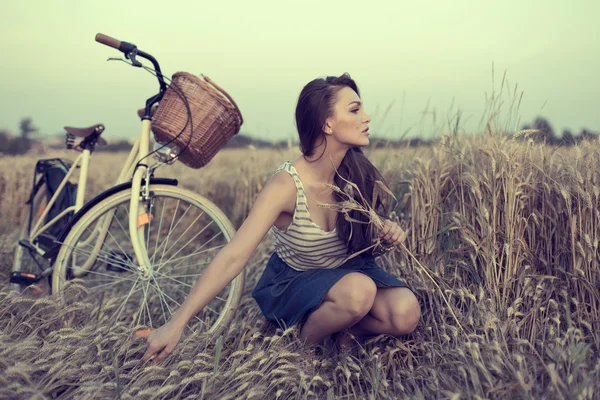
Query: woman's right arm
x=278, y=196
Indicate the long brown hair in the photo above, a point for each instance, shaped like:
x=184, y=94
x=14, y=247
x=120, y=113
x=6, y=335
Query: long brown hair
x=315, y=105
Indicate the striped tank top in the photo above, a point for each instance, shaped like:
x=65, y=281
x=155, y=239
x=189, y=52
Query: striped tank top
x=304, y=245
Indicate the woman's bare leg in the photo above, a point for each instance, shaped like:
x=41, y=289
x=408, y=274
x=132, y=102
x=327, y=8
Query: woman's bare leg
x=395, y=311
x=346, y=303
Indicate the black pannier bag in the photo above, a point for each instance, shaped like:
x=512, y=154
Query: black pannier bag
x=51, y=172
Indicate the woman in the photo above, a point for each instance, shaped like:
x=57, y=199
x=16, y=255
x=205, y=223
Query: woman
x=308, y=281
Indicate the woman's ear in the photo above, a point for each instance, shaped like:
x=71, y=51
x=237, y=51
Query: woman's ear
x=327, y=127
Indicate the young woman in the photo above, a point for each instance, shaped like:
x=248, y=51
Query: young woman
x=307, y=280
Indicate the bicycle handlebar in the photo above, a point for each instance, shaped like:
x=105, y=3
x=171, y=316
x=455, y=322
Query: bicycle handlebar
x=108, y=41
x=124, y=47
x=131, y=51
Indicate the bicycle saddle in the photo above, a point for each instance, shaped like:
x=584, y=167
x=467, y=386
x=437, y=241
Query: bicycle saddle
x=85, y=132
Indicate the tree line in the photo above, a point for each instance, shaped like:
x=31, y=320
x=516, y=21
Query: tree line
x=28, y=139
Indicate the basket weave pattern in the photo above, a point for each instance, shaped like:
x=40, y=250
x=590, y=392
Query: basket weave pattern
x=215, y=117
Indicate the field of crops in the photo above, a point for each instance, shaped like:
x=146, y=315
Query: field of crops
x=506, y=237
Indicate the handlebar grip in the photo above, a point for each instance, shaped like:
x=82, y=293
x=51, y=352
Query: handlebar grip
x=108, y=41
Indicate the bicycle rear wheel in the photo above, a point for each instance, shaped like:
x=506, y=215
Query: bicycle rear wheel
x=183, y=235
x=30, y=262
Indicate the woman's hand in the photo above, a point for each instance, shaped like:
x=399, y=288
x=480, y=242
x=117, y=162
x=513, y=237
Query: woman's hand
x=392, y=233
x=161, y=342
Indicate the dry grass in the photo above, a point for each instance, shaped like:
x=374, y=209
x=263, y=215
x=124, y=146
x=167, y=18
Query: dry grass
x=508, y=231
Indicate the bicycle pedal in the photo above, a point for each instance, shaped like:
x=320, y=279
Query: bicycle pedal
x=24, y=278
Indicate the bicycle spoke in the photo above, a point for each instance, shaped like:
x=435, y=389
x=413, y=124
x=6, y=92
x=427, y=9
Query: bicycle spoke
x=177, y=266
x=176, y=302
x=181, y=259
x=189, y=241
x=145, y=302
x=163, y=276
x=124, y=266
x=176, y=225
x=162, y=306
x=174, y=280
x=185, y=294
x=107, y=253
x=148, y=212
x=162, y=212
x=200, y=252
x=81, y=250
x=162, y=296
x=107, y=284
x=126, y=235
x=127, y=267
x=170, y=230
x=184, y=276
x=122, y=306
x=111, y=276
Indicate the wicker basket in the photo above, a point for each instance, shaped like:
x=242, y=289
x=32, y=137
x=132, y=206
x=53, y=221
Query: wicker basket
x=215, y=117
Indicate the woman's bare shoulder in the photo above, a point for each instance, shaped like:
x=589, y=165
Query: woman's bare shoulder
x=282, y=188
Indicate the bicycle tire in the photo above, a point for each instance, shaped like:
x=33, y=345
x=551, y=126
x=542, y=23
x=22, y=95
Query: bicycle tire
x=22, y=260
x=121, y=262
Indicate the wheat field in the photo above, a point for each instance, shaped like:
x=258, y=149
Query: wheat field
x=502, y=253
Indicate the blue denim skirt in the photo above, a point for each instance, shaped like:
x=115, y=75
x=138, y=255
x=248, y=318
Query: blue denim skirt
x=287, y=296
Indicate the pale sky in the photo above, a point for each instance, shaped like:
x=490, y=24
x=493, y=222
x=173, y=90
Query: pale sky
x=404, y=54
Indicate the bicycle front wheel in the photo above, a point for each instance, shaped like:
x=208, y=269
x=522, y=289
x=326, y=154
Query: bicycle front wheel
x=183, y=233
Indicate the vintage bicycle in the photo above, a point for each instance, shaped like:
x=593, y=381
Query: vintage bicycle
x=137, y=248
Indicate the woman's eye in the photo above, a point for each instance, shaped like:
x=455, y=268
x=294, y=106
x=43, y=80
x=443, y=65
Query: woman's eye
x=355, y=111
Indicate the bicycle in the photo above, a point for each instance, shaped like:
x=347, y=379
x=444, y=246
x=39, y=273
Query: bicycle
x=113, y=244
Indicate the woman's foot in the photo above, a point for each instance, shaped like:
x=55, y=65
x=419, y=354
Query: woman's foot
x=311, y=352
x=345, y=341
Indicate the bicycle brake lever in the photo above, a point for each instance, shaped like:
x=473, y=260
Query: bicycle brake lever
x=131, y=56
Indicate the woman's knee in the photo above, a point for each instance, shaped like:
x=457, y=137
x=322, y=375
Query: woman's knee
x=405, y=315
x=356, y=294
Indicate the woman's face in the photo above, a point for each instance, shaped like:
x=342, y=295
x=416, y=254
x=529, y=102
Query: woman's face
x=350, y=123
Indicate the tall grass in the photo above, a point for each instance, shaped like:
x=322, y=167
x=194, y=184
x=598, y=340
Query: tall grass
x=509, y=231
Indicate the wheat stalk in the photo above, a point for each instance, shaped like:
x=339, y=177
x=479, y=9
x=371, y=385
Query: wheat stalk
x=351, y=204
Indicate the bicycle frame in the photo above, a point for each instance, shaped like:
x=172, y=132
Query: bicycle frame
x=99, y=235
x=139, y=151
x=82, y=162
